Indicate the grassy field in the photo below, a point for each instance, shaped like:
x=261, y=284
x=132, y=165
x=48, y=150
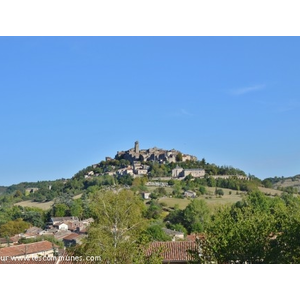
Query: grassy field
x=170, y=202
x=167, y=188
x=287, y=182
x=230, y=196
x=44, y=206
x=271, y=192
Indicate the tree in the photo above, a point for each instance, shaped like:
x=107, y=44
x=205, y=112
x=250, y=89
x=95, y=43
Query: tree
x=219, y=192
x=115, y=235
x=175, y=216
x=155, y=233
x=18, y=194
x=202, y=189
x=196, y=216
x=76, y=208
x=13, y=227
x=34, y=216
x=60, y=210
x=154, y=210
x=211, y=182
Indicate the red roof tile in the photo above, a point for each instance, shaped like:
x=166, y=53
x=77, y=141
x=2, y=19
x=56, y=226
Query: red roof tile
x=71, y=236
x=23, y=249
x=173, y=252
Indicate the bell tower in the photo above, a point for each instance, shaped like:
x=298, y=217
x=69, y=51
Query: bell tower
x=136, y=147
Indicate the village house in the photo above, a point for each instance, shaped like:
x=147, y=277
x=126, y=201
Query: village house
x=5, y=242
x=62, y=226
x=146, y=195
x=72, y=239
x=60, y=235
x=190, y=194
x=31, y=232
x=179, y=172
x=55, y=220
x=175, y=235
x=30, y=191
x=32, y=250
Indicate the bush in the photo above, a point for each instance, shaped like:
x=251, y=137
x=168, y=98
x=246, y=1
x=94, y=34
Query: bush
x=219, y=192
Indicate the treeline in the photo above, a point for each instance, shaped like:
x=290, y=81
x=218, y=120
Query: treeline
x=257, y=230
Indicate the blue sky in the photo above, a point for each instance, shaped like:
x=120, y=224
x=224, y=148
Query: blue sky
x=67, y=102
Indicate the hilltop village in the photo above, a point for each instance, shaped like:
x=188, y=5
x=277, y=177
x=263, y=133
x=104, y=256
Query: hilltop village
x=137, y=159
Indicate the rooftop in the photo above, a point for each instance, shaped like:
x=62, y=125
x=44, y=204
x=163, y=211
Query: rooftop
x=173, y=252
x=24, y=249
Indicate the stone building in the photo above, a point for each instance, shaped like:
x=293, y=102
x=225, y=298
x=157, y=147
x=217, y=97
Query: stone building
x=179, y=172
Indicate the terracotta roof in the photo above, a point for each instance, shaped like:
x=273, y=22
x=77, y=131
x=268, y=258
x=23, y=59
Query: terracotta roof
x=26, y=248
x=71, y=236
x=33, y=230
x=173, y=252
x=4, y=240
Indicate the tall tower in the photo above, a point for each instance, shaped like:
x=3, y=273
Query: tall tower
x=136, y=147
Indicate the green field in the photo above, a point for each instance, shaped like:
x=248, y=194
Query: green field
x=210, y=198
x=43, y=205
x=271, y=192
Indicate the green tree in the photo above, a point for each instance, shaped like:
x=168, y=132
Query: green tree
x=156, y=233
x=175, y=216
x=115, y=234
x=219, y=192
x=34, y=216
x=211, y=182
x=77, y=208
x=154, y=210
x=60, y=210
x=196, y=216
x=202, y=189
x=13, y=227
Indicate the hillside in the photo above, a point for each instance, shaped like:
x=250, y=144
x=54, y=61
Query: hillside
x=2, y=189
x=128, y=167
x=287, y=182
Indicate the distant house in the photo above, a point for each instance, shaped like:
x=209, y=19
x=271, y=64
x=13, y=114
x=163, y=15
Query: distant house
x=63, y=226
x=146, y=195
x=173, y=252
x=179, y=172
x=33, y=250
x=32, y=232
x=5, y=242
x=55, y=220
x=141, y=172
x=175, y=235
x=194, y=172
x=72, y=239
x=31, y=190
x=61, y=234
x=190, y=194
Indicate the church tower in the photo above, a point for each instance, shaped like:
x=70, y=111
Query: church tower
x=136, y=147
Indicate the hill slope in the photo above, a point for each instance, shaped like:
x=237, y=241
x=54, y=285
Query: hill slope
x=285, y=183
